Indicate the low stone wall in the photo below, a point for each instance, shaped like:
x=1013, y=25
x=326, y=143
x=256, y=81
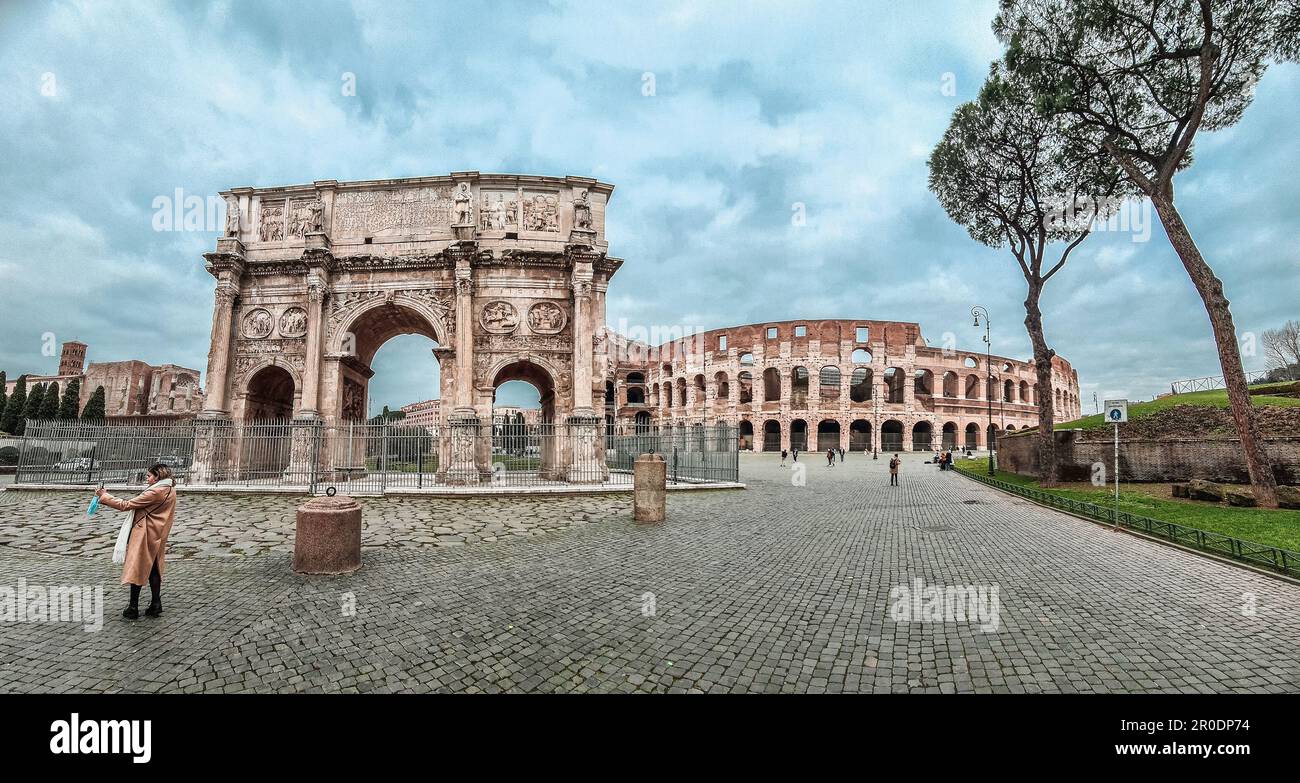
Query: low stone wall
x=1149, y=460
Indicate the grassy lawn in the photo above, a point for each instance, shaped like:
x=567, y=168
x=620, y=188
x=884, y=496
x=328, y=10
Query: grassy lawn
x=1212, y=399
x=1279, y=528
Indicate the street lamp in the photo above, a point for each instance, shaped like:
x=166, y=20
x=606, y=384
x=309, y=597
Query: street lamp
x=977, y=311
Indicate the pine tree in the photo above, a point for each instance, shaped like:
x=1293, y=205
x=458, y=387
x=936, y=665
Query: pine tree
x=94, y=406
x=50, y=403
x=71, y=396
x=3, y=396
x=14, y=408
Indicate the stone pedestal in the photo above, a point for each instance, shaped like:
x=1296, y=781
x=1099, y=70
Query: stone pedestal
x=213, y=439
x=304, y=448
x=588, y=461
x=328, y=536
x=463, y=429
x=650, y=488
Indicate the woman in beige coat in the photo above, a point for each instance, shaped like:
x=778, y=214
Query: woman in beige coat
x=152, y=521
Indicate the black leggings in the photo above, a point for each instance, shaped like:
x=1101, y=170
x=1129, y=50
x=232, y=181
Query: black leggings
x=155, y=585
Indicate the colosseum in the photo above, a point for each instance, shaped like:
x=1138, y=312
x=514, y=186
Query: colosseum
x=872, y=377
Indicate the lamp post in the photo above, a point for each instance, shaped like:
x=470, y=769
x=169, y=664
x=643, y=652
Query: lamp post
x=977, y=311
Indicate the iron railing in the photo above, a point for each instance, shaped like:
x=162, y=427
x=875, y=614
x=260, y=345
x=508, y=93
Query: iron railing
x=1283, y=561
x=362, y=458
x=1211, y=383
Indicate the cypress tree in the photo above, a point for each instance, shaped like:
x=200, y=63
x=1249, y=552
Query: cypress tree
x=14, y=408
x=71, y=396
x=94, y=406
x=30, y=408
x=50, y=403
x=3, y=395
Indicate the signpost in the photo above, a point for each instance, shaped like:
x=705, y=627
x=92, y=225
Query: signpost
x=1117, y=413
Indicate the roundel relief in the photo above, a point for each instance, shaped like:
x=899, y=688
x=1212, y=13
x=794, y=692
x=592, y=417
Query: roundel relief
x=293, y=322
x=546, y=318
x=499, y=317
x=257, y=324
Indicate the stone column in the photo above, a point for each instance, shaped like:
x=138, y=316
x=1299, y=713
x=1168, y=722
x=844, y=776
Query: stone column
x=588, y=463
x=318, y=261
x=463, y=421
x=227, y=265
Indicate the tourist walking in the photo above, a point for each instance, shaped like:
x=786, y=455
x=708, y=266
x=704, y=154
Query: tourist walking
x=784, y=454
x=152, y=512
x=841, y=454
x=830, y=458
x=893, y=471
x=794, y=455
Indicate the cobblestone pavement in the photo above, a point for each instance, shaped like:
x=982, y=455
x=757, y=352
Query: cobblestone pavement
x=778, y=588
x=211, y=525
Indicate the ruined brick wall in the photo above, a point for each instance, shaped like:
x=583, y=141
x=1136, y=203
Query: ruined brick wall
x=1214, y=459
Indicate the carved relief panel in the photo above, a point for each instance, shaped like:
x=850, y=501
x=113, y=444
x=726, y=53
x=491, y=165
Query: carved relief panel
x=499, y=317
x=546, y=318
x=384, y=212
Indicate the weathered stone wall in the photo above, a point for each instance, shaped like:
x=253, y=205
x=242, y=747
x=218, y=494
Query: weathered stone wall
x=1214, y=459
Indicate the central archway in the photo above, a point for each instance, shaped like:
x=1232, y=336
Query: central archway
x=347, y=388
x=529, y=444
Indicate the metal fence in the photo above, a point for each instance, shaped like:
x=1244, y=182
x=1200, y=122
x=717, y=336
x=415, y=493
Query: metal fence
x=1283, y=561
x=368, y=458
x=1212, y=382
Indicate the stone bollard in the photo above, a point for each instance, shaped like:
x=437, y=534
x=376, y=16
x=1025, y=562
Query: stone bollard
x=649, y=488
x=328, y=536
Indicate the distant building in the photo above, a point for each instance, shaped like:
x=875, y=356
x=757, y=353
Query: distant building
x=421, y=414
x=425, y=414
x=131, y=388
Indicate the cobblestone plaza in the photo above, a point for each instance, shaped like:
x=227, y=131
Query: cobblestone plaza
x=777, y=588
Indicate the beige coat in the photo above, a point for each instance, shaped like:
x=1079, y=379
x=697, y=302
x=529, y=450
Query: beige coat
x=154, y=509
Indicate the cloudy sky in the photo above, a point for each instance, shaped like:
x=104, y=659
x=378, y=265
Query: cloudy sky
x=753, y=110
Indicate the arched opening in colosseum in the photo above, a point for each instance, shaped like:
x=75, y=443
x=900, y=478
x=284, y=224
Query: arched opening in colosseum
x=828, y=383
x=270, y=396
x=681, y=392
x=771, y=384
x=746, y=435
x=721, y=388
x=972, y=387
x=828, y=434
x=922, y=436
x=891, y=435
x=635, y=395
x=991, y=391
x=950, y=384
x=894, y=382
x=799, y=435
x=700, y=393
x=747, y=360
x=799, y=387
x=972, y=436
x=861, y=356
x=667, y=394
x=771, y=435
x=860, y=385
x=1009, y=390
x=1024, y=392
x=860, y=435
x=642, y=422
x=1035, y=388
x=992, y=436
x=949, y=435
x=923, y=382
x=745, y=382
x=971, y=362
x=1006, y=367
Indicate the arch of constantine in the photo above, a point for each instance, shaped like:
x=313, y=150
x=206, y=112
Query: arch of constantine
x=507, y=275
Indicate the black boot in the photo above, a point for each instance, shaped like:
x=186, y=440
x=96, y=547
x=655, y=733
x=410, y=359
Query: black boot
x=132, y=610
x=155, y=607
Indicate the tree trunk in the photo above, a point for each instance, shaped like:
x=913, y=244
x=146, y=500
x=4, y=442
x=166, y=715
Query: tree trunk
x=1263, y=482
x=1046, y=403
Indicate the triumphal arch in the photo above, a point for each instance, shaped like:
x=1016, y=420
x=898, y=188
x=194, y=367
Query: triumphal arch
x=506, y=273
